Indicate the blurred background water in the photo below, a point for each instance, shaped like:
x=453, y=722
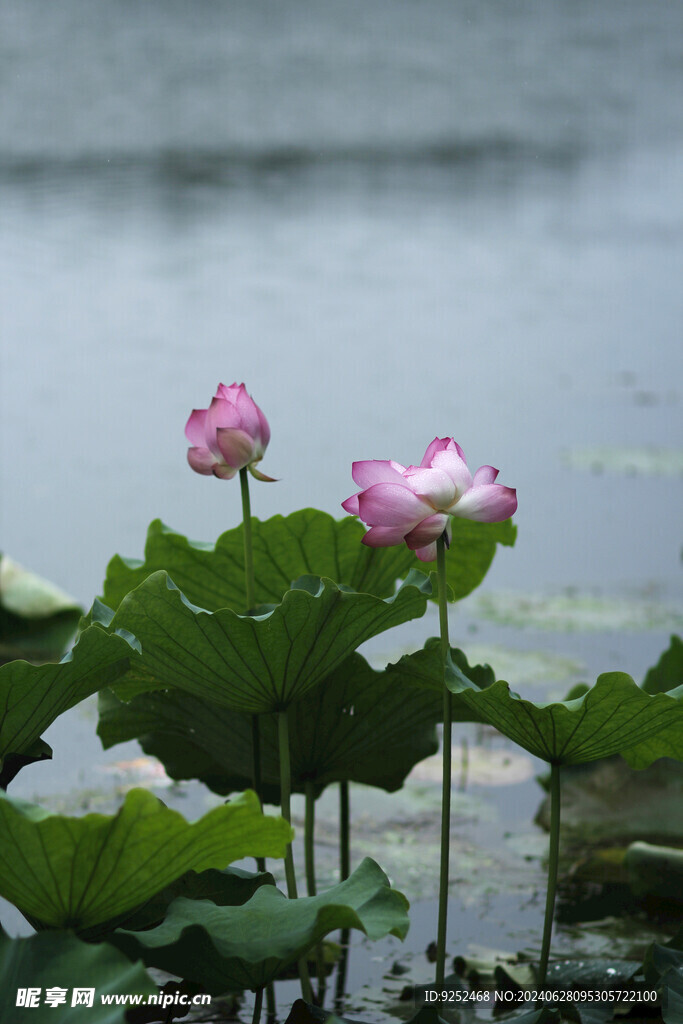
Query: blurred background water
x=392, y=220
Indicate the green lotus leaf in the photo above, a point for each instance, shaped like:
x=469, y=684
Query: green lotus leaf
x=615, y=716
x=60, y=960
x=423, y=669
x=255, y=663
x=304, y=1013
x=37, y=619
x=357, y=725
x=663, y=969
x=307, y=542
x=32, y=696
x=79, y=872
x=229, y=949
x=229, y=887
x=13, y=763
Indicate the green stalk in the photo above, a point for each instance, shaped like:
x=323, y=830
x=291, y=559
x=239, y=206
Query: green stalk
x=553, y=860
x=285, y=792
x=258, y=1002
x=248, y=552
x=311, y=888
x=309, y=839
x=271, y=1008
x=256, y=772
x=250, y=588
x=344, y=832
x=446, y=780
x=344, y=872
x=251, y=602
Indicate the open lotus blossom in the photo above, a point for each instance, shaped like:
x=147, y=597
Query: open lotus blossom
x=415, y=504
x=231, y=434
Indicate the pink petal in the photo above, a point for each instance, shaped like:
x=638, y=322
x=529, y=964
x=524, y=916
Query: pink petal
x=456, y=467
x=484, y=475
x=195, y=428
x=383, y=536
x=376, y=471
x=351, y=505
x=434, y=485
x=453, y=446
x=236, y=447
x=437, y=445
x=223, y=472
x=441, y=444
x=229, y=394
x=428, y=553
x=219, y=414
x=201, y=460
x=391, y=505
x=489, y=503
x=265, y=429
x=246, y=407
x=427, y=531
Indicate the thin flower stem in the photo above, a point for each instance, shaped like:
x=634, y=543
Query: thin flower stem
x=271, y=1008
x=256, y=772
x=285, y=790
x=309, y=839
x=251, y=601
x=258, y=1002
x=344, y=832
x=446, y=781
x=248, y=552
x=553, y=860
x=344, y=872
x=311, y=888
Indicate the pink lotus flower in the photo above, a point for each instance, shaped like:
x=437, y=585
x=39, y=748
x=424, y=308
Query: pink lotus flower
x=416, y=504
x=231, y=434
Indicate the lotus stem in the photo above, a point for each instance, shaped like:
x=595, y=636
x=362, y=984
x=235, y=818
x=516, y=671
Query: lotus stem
x=250, y=589
x=309, y=839
x=258, y=1002
x=311, y=888
x=271, y=1008
x=553, y=861
x=344, y=832
x=248, y=552
x=256, y=772
x=446, y=779
x=344, y=872
x=285, y=791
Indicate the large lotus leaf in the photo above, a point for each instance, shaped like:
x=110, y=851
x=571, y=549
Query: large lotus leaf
x=615, y=716
x=229, y=887
x=37, y=619
x=307, y=542
x=59, y=960
x=357, y=725
x=31, y=696
x=256, y=663
x=13, y=763
x=79, y=872
x=229, y=949
x=423, y=669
